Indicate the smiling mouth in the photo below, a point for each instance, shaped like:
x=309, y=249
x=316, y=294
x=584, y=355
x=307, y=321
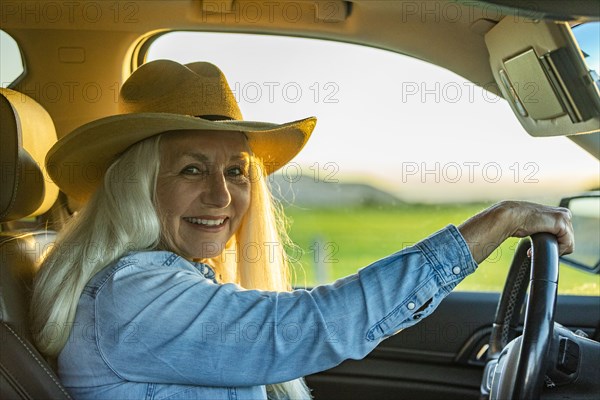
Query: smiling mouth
x=210, y=223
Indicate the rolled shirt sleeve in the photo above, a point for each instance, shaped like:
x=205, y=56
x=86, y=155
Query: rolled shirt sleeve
x=167, y=323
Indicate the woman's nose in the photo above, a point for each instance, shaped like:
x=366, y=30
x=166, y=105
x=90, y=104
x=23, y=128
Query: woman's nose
x=216, y=193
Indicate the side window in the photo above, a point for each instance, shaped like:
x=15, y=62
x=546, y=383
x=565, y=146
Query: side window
x=11, y=62
x=402, y=148
x=587, y=37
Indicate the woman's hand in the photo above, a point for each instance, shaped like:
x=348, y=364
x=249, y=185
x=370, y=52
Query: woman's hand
x=485, y=231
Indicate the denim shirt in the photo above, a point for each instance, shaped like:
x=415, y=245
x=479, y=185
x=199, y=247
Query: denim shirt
x=153, y=325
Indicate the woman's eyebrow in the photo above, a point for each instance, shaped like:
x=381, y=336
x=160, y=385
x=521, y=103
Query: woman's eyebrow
x=197, y=156
x=243, y=156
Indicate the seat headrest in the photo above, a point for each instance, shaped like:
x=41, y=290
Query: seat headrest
x=26, y=133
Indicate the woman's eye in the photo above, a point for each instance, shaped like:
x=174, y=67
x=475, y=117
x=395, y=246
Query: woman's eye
x=236, y=172
x=191, y=170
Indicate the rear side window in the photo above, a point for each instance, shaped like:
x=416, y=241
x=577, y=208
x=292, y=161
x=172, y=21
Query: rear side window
x=11, y=62
x=401, y=149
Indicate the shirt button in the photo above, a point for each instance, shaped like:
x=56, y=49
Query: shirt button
x=456, y=270
x=411, y=306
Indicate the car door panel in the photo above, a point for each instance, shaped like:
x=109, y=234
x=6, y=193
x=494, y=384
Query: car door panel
x=437, y=358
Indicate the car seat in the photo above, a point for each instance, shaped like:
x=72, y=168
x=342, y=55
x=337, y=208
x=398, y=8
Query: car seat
x=26, y=134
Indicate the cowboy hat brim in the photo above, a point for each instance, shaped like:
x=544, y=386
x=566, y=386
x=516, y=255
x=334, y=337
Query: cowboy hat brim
x=76, y=163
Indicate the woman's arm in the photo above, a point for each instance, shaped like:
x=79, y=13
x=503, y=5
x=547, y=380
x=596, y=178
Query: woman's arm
x=176, y=326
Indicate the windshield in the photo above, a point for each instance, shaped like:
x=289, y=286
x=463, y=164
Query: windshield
x=402, y=147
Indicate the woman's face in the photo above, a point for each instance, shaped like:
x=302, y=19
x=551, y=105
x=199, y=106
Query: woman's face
x=203, y=189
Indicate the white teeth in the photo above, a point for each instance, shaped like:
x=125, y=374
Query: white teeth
x=207, y=222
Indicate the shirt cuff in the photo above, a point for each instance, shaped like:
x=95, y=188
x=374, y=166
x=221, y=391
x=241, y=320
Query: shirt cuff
x=448, y=262
x=448, y=253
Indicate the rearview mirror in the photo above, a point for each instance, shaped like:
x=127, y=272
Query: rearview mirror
x=585, y=210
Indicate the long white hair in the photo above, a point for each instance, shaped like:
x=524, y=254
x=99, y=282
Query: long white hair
x=121, y=217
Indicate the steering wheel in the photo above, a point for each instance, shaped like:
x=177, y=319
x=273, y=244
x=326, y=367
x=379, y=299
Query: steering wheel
x=516, y=368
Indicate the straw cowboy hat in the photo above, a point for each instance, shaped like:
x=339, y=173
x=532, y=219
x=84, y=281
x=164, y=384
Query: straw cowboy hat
x=163, y=96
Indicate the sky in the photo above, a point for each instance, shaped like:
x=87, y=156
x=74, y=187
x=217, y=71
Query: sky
x=407, y=126
x=588, y=38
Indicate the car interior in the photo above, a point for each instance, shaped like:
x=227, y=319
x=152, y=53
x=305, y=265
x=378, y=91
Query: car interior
x=75, y=55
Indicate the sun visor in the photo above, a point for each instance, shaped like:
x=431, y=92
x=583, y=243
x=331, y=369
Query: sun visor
x=542, y=73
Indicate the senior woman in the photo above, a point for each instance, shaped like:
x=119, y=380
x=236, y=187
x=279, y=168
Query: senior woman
x=147, y=293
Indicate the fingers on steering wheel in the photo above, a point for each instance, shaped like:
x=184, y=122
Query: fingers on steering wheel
x=564, y=234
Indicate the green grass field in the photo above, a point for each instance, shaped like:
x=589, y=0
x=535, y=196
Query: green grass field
x=345, y=239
